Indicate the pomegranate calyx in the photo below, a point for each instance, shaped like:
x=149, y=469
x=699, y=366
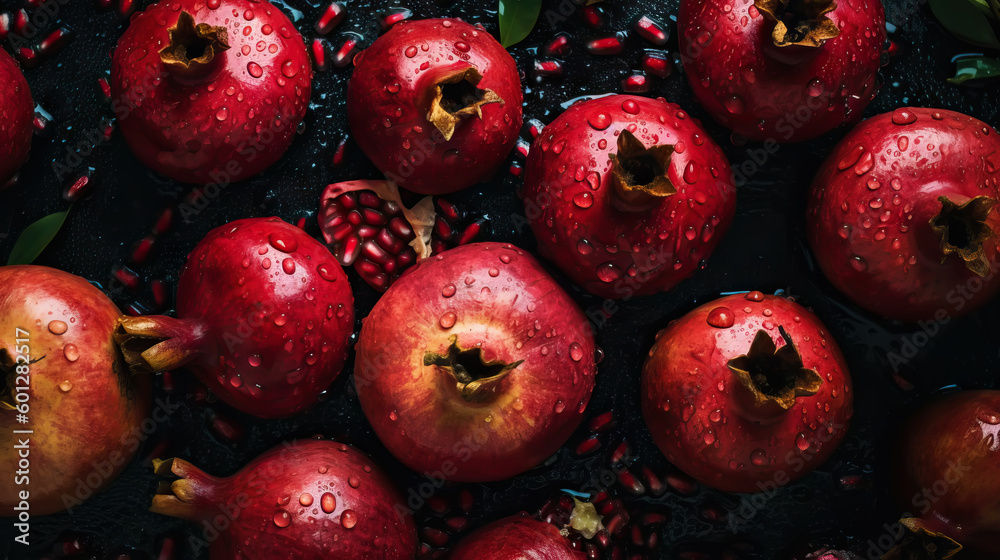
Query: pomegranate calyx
x=476, y=379
x=190, y=497
x=773, y=375
x=922, y=543
x=802, y=23
x=157, y=343
x=455, y=96
x=193, y=47
x=584, y=519
x=639, y=174
x=963, y=229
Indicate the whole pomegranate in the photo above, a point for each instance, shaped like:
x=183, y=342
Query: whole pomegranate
x=515, y=538
x=475, y=365
x=782, y=70
x=17, y=111
x=901, y=216
x=435, y=104
x=746, y=393
x=305, y=499
x=945, y=474
x=264, y=318
x=210, y=92
x=628, y=195
x=59, y=363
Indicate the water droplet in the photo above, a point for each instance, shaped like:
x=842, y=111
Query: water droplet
x=448, y=320
x=348, y=519
x=328, y=502
x=254, y=360
x=991, y=418
x=608, y=272
x=801, y=442
x=734, y=104
x=254, y=69
x=583, y=200
x=858, y=264
x=410, y=52
x=691, y=173
x=282, y=243
x=815, y=88
x=306, y=499
x=630, y=107
x=448, y=290
x=721, y=317
x=462, y=47
x=327, y=272
x=599, y=121
x=289, y=69
x=288, y=265
x=71, y=352
x=903, y=116
x=576, y=351
x=584, y=247
x=282, y=519
x=758, y=457
x=715, y=415
x=354, y=481
x=222, y=114
x=57, y=327
x=559, y=407
x=65, y=386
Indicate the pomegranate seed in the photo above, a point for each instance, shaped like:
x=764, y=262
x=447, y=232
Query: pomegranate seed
x=168, y=381
x=373, y=217
x=159, y=288
x=630, y=483
x=435, y=537
x=515, y=169
x=447, y=210
x=535, y=127
x=109, y=130
x=366, y=267
x=652, y=30
x=225, y=428
x=318, y=49
x=27, y=56
x=105, y=88
x=588, y=446
x=603, y=539
x=620, y=453
x=126, y=7
x=593, y=16
x=392, y=17
x=602, y=422
x=681, y=483
x=80, y=186
x=457, y=523
x=605, y=46
x=465, y=500
x=366, y=232
x=615, y=525
x=344, y=55
x=558, y=46
x=164, y=222
x=142, y=249
x=349, y=250
x=442, y=229
x=523, y=147
x=20, y=22
x=369, y=199
x=127, y=277
x=592, y=551
x=4, y=26
x=637, y=538
x=401, y=228
x=53, y=42
x=548, y=68
x=374, y=253
x=653, y=482
x=355, y=218
x=656, y=63
x=438, y=504
x=636, y=83
x=332, y=16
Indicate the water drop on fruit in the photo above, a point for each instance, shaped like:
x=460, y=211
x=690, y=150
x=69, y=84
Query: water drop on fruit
x=348, y=519
x=608, y=272
x=802, y=442
x=448, y=290
x=559, y=407
x=288, y=265
x=599, y=121
x=734, y=104
x=328, y=502
x=282, y=519
x=583, y=200
x=448, y=320
x=65, y=386
x=903, y=117
x=71, y=352
x=306, y=499
x=285, y=244
x=721, y=317
x=254, y=69
x=57, y=327
x=815, y=88
x=576, y=351
x=758, y=457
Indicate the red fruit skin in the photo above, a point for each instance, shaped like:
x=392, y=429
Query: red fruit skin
x=282, y=502
x=626, y=253
x=392, y=127
x=871, y=204
x=77, y=370
x=224, y=127
x=17, y=111
x=764, y=92
x=504, y=303
x=515, y=538
x=953, y=441
x=264, y=317
x=691, y=407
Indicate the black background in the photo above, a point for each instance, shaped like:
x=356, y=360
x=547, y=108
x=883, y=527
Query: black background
x=764, y=250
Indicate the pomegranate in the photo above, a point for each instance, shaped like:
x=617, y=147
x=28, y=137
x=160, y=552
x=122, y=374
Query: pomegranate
x=901, y=214
x=210, y=92
x=264, y=318
x=17, y=111
x=306, y=499
x=58, y=359
x=628, y=195
x=782, y=70
x=515, y=538
x=746, y=392
x=435, y=104
x=475, y=365
x=946, y=474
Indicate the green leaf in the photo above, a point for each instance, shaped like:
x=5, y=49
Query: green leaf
x=975, y=68
x=35, y=238
x=517, y=18
x=966, y=20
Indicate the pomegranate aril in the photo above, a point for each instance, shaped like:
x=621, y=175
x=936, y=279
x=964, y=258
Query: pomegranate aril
x=435, y=537
x=602, y=422
x=656, y=63
x=80, y=186
x=373, y=252
x=373, y=217
x=342, y=232
x=652, y=30
x=635, y=83
x=367, y=232
x=53, y=42
x=470, y=233
x=588, y=446
x=457, y=523
x=393, y=16
x=630, y=483
x=653, y=482
x=593, y=16
x=620, y=453
x=447, y=210
x=680, y=483
x=438, y=504
x=355, y=218
x=442, y=229
x=369, y=199
x=318, y=49
x=4, y=25
x=548, y=68
x=332, y=16
x=141, y=250
x=605, y=46
x=401, y=228
x=367, y=268
x=344, y=55
x=349, y=249
x=558, y=46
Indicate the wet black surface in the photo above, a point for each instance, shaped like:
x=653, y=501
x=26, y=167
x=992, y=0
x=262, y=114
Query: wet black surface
x=764, y=250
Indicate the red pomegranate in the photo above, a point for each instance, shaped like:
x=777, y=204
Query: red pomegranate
x=17, y=111
x=745, y=392
x=901, y=216
x=60, y=366
x=306, y=499
x=264, y=318
x=516, y=538
x=628, y=195
x=435, y=104
x=210, y=92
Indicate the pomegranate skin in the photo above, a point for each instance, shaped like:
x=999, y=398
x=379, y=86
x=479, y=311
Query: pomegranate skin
x=524, y=342
x=617, y=249
x=784, y=94
x=873, y=201
x=515, y=538
x=264, y=318
x=390, y=95
x=17, y=111
x=218, y=122
x=303, y=500
x=952, y=441
x=76, y=367
x=698, y=410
